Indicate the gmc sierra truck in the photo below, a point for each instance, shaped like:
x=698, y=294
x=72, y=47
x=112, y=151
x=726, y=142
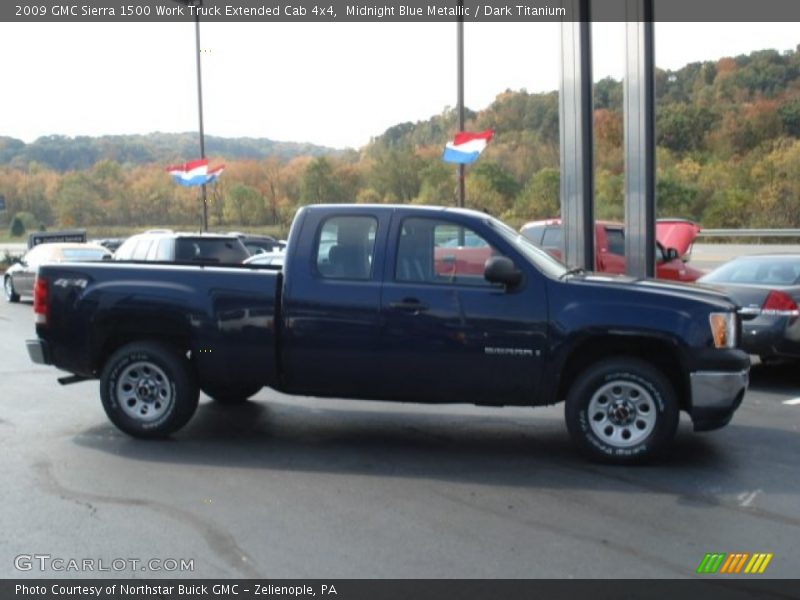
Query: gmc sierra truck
x=412, y=304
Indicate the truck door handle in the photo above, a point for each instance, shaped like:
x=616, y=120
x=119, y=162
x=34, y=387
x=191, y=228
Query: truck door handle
x=409, y=305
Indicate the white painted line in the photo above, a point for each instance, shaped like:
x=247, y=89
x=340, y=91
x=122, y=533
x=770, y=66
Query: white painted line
x=746, y=498
x=792, y=402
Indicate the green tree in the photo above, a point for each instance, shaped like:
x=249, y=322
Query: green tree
x=243, y=205
x=540, y=198
x=395, y=174
x=498, y=179
x=78, y=201
x=790, y=116
x=438, y=183
x=16, y=227
x=318, y=184
x=683, y=127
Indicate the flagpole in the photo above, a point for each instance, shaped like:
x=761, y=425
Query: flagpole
x=460, y=52
x=200, y=108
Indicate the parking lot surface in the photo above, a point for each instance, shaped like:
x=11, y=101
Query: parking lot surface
x=287, y=487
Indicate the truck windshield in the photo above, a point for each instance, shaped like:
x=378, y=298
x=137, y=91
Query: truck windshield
x=540, y=259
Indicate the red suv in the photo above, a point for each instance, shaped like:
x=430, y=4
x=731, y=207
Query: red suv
x=675, y=238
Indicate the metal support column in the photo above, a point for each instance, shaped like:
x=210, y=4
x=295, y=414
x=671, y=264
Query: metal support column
x=575, y=117
x=640, y=149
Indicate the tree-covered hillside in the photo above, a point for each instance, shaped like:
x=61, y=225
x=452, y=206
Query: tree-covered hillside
x=62, y=153
x=728, y=156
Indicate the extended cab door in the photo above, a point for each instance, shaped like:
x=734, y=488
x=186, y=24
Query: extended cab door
x=331, y=303
x=448, y=335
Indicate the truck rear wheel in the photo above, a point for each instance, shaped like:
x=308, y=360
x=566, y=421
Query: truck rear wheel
x=234, y=394
x=148, y=390
x=622, y=410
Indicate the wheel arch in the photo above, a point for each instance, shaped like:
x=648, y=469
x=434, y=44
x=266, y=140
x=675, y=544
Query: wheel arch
x=180, y=344
x=664, y=354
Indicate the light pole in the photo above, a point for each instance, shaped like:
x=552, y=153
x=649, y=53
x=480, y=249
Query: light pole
x=197, y=3
x=460, y=53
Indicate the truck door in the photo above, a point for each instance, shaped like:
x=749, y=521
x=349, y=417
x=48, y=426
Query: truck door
x=331, y=304
x=448, y=335
x=611, y=249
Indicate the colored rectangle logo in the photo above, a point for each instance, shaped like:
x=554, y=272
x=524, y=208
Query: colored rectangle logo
x=734, y=563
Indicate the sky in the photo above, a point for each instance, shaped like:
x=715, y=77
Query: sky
x=332, y=84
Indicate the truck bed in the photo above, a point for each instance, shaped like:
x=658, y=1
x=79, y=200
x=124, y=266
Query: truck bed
x=223, y=316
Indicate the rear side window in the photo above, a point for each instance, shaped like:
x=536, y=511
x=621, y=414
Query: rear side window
x=140, y=252
x=162, y=252
x=346, y=247
x=223, y=251
x=78, y=254
x=125, y=251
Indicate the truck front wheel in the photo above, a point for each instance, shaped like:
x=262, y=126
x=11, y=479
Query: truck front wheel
x=148, y=390
x=622, y=410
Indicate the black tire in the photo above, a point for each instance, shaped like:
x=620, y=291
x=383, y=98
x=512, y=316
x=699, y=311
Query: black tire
x=621, y=397
x=231, y=395
x=148, y=390
x=9, y=291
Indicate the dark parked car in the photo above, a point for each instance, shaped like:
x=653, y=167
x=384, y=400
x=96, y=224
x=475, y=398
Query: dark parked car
x=363, y=309
x=258, y=244
x=18, y=279
x=111, y=244
x=767, y=287
x=168, y=246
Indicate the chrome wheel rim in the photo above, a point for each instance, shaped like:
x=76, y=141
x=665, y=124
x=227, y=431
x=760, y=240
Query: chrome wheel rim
x=144, y=392
x=622, y=413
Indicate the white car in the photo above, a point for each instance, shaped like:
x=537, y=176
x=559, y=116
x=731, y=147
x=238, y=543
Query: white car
x=267, y=258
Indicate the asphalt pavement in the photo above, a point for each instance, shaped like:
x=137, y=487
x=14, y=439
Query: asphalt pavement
x=286, y=487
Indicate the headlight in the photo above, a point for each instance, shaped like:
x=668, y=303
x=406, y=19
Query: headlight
x=723, y=329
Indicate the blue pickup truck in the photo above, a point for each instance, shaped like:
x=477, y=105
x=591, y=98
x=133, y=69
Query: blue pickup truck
x=403, y=303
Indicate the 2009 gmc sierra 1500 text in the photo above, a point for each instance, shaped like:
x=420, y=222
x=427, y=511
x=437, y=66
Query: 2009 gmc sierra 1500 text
x=390, y=303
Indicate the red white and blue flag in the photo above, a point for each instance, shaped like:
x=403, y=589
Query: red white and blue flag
x=466, y=147
x=195, y=172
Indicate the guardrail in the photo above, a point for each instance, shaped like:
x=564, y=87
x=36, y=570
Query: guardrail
x=757, y=233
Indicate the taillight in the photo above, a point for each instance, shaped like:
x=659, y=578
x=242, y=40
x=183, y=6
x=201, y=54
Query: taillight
x=41, y=301
x=780, y=304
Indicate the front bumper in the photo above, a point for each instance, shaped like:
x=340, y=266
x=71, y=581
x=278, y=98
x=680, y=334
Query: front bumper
x=39, y=351
x=715, y=397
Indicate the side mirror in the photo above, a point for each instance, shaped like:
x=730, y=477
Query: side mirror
x=499, y=269
x=671, y=254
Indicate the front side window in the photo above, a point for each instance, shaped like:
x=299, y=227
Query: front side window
x=440, y=252
x=534, y=233
x=616, y=241
x=346, y=247
x=552, y=237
